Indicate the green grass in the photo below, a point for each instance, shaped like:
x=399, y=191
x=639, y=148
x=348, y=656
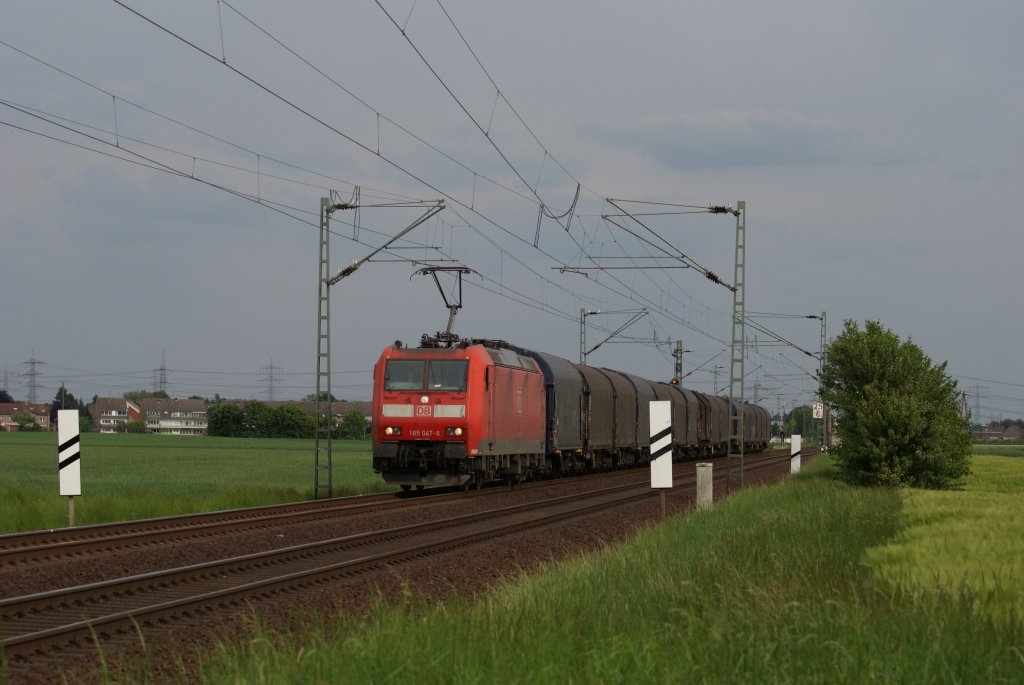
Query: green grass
x=141, y=476
x=776, y=585
x=998, y=450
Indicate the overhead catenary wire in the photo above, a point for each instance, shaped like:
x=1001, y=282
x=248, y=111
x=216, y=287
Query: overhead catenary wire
x=187, y=126
x=462, y=106
x=661, y=308
x=485, y=131
x=330, y=127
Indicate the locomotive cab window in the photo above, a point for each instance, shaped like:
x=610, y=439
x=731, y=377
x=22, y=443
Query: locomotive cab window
x=404, y=374
x=447, y=375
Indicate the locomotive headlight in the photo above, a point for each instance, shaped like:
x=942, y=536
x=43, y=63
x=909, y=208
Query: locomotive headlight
x=393, y=430
x=458, y=432
x=453, y=432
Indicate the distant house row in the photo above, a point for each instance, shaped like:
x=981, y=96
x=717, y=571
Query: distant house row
x=166, y=416
x=185, y=417
x=171, y=417
x=40, y=412
x=1010, y=432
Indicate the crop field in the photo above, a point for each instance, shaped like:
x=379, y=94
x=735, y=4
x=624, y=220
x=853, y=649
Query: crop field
x=142, y=476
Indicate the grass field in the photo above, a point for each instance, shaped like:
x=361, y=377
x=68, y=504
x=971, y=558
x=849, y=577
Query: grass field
x=790, y=584
x=812, y=581
x=142, y=476
x=998, y=450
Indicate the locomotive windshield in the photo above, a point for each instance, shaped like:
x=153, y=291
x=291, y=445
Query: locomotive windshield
x=404, y=374
x=447, y=375
x=408, y=374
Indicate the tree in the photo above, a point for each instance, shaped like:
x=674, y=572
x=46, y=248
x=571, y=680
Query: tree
x=25, y=420
x=257, y=421
x=136, y=395
x=898, y=412
x=225, y=420
x=288, y=421
x=5, y=397
x=800, y=421
x=324, y=397
x=136, y=426
x=353, y=425
x=63, y=400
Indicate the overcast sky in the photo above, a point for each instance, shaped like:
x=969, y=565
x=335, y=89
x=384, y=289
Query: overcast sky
x=877, y=146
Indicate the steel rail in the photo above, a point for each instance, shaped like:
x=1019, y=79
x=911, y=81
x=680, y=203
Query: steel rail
x=53, y=545
x=38, y=623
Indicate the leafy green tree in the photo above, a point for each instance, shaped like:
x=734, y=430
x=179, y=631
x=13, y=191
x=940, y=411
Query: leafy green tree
x=800, y=421
x=136, y=395
x=352, y=425
x=25, y=420
x=225, y=420
x=291, y=422
x=258, y=421
x=1006, y=423
x=136, y=426
x=898, y=412
x=63, y=400
x=84, y=424
x=324, y=397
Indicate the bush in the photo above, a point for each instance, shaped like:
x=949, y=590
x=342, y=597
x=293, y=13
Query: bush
x=898, y=414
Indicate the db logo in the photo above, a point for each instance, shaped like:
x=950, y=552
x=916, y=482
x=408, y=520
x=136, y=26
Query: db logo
x=424, y=410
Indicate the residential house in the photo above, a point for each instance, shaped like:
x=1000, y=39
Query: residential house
x=1010, y=432
x=41, y=413
x=174, y=417
x=109, y=412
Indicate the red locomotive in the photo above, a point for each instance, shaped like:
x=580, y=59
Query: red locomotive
x=480, y=410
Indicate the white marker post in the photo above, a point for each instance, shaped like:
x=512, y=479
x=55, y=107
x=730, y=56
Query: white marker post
x=661, y=448
x=705, y=492
x=794, y=454
x=69, y=464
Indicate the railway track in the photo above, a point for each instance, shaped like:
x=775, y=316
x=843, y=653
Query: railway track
x=49, y=546
x=120, y=610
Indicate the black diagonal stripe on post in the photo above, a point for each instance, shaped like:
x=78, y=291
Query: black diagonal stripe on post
x=69, y=461
x=70, y=443
x=663, y=434
x=662, y=452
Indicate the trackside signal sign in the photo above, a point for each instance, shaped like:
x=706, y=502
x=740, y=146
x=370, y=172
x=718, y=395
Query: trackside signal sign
x=69, y=453
x=661, y=444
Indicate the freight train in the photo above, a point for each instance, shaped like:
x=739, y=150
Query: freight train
x=480, y=410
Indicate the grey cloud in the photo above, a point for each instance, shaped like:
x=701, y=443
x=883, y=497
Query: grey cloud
x=731, y=139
